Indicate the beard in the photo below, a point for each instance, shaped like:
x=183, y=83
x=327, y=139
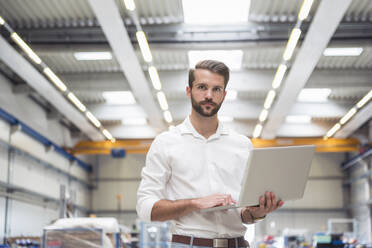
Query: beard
x=197, y=106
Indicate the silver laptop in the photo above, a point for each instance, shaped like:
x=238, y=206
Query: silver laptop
x=282, y=170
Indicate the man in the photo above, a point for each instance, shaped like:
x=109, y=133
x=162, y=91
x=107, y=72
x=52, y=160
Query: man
x=199, y=164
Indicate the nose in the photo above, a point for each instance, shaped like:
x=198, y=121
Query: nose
x=208, y=94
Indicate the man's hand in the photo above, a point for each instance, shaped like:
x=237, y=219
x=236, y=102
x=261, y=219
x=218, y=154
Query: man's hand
x=213, y=201
x=268, y=203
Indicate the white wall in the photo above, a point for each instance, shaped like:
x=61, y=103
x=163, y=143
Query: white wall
x=324, y=189
x=27, y=218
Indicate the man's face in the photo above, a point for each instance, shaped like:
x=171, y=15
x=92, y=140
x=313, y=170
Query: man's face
x=207, y=92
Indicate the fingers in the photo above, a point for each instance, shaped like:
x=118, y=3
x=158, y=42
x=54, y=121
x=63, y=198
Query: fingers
x=268, y=201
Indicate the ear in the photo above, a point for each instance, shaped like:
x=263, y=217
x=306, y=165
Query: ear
x=188, y=91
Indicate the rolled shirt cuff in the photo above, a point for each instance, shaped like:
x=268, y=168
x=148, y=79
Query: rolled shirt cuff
x=146, y=209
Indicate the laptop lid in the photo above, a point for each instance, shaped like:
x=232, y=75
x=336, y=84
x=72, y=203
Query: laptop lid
x=282, y=170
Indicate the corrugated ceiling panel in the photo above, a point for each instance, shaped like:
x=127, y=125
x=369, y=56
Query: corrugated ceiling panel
x=276, y=11
x=47, y=13
x=167, y=59
x=364, y=61
x=359, y=10
x=66, y=63
x=263, y=57
x=90, y=97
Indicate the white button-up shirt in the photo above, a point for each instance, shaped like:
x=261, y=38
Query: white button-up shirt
x=182, y=164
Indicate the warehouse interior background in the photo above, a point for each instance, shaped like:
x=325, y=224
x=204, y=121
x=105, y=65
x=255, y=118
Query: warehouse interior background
x=85, y=86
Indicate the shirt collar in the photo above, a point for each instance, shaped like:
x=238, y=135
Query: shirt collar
x=186, y=127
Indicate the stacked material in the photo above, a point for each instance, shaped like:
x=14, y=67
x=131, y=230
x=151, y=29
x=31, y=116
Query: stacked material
x=82, y=232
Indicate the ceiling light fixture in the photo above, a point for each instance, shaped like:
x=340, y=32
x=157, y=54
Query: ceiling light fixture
x=167, y=116
x=232, y=58
x=365, y=99
x=119, y=97
x=263, y=115
x=298, y=119
x=93, y=56
x=305, y=9
x=15, y=37
x=348, y=115
x=314, y=95
x=154, y=75
x=134, y=121
x=257, y=131
x=221, y=12
x=269, y=99
x=55, y=79
x=162, y=100
x=107, y=134
x=292, y=42
x=346, y=51
x=93, y=119
x=333, y=130
x=144, y=46
x=129, y=4
x=2, y=22
x=76, y=101
x=278, y=78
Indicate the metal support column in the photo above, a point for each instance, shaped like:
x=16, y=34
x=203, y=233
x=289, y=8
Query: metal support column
x=9, y=179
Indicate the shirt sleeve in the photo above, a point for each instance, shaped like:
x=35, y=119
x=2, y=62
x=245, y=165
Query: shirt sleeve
x=154, y=177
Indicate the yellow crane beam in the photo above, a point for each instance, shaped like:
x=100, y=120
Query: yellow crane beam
x=141, y=146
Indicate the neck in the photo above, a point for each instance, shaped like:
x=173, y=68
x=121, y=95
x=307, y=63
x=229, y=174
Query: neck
x=205, y=126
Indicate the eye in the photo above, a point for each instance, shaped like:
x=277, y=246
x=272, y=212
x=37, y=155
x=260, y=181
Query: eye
x=201, y=87
x=217, y=89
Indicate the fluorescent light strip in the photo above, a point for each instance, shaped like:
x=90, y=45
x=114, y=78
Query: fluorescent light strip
x=154, y=75
x=314, y=95
x=279, y=76
x=76, y=101
x=119, y=97
x=162, y=100
x=107, y=134
x=348, y=115
x=15, y=37
x=93, y=119
x=263, y=115
x=53, y=77
x=305, y=9
x=2, y=22
x=346, y=51
x=333, y=130
x=365, y=99
x=144, y=46
x=129, y=4
x=269, y=99
x=93, y=56
x=167, y=116
x=134, y=121
x=299, y=119
x=292, y=42
x=257, y=131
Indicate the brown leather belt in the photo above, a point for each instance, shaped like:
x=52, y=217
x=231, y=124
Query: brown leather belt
x=220, y=242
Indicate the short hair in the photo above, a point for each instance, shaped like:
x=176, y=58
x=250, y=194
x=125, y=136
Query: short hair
x=213, y=66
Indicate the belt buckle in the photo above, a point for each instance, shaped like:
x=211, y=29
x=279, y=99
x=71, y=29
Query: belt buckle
x=220, y=243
